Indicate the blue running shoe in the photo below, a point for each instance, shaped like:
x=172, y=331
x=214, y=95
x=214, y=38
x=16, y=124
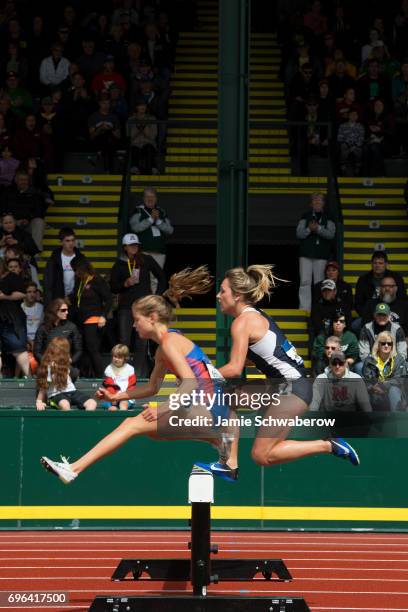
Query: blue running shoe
x=343, y=449
x=221, y=470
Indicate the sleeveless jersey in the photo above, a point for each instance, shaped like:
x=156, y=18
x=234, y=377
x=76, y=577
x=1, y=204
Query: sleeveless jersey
x=274, y=355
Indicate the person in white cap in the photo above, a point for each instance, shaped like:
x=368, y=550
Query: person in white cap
x=327, y=308
x=130, y=280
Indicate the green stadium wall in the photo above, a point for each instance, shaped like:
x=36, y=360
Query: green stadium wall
x=144, y=484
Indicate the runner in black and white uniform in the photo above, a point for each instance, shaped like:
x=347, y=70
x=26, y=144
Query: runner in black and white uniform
x=256, y=336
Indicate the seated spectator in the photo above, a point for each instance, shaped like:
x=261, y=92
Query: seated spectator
x=401, y=123
x=373, y=85
x=315, y=232
x=155, y=102
x=21, y=101
x=400, y=81
x=54, y=69
x=368, y=285
x=103, y=80
x=367, y=49
x=118, y=104
x=339, y=389
x=388, y=66
x=126, y=13
x=130, y=279
x=104, y=131
x=50, y=121
x=5, y=133
x=340, y=81
x=348, y=341
x=156, y=50
x=344, y=291
x=34, y=312
x=91, y=61
x=29, y=272
x=327, y=308
x=401, y=29
x=314, y=20
x=14, y=61
x=303, y=85
x=59, y=277
x=140, y=73
x=91, y=304
x=27, y=206
x=38, y=179
x=350, y=69
x=119, y=376
x=381, y=322
x=347, y=103
x=323, y=348
x=8, y=166
x=380, y=130
x=77, y=105
x=384, y=372
x=388, y=295
x=350, y=138
x=56, y=324
x=54, y=382
x=11, y=236
x=143, y=140
x=31, y=141
x=13, y=333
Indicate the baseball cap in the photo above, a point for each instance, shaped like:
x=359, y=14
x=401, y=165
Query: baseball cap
x=130, y=239
x=328, y=284
x=339, y=356
x=382, y=309
x=332, y=264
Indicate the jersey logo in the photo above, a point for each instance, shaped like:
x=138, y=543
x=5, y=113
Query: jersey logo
x=291, y=352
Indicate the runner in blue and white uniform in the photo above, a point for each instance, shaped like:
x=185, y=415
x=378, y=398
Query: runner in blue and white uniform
x=256, y=337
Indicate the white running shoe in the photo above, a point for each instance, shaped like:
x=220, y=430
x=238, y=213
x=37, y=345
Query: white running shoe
x=61, y=469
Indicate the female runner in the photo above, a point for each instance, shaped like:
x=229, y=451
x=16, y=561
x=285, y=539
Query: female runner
x=176, y=353
x=256, y=336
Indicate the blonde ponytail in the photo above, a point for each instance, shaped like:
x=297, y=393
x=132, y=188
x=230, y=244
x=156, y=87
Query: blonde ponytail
x=253, y=283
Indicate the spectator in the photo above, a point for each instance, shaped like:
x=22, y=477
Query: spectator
x=315, y=232
x=130, y=279
x=401, y=123
x=152, y=225
x=31, y=142
x=91, y=61
x=9, y=118
x=384, y=372
x=303, y=85
x=54, y=380
x=56, y=324
x=143, y=140
x=14, y=62
x=327, y=309
x=5, y=135
x=118, y=104
x=29, y=272
x=339, y=389
x=347, y=340
x=314, y=20
x=20, y=98
x=340, y=81
x=59, y=277
x=12, y=235
x=388, y=295
x=381, y=322
x=401, y=29
x=119, y=376
x=350, y=70
x=350, y=138
x=380, y=129
x=92, y=303
x=323, y=347
x=368, y=285
x=344, y=291
x=347, y=103
x=366, y=50
x=373, y=85
x=400, y=81
x=54, y=69
x=8, y=166
x=77, y=106
x=26, y=205
x=34, y=312
x=104, y=130
x=13, y=333
x=103, y=80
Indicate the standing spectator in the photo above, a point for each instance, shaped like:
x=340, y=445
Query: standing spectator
x=381, y=322
x=26, y=205
x=104, y=130
x=315, y=232
x=13, y=333
x=369, y=284
x=56, y=324
x=143, y=141
x=91, y=304
x=380, y=130
x=130, y=279
x=77, y=106
x=339, y=389
x=55, y=68
x=350, y=138
x=34, y=312
x=119, y=376
x=59, y=277
x=152, y=225
x=384, y=372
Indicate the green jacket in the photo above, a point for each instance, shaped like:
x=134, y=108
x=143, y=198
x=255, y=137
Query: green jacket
x=348, y=344
x=315, y=245
x=152, y=234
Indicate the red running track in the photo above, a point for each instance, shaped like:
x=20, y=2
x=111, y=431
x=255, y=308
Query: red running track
x=334, y=572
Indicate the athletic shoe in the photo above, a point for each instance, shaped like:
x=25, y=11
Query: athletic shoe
x=222, y=470
x=61, y=469
x=343, y=449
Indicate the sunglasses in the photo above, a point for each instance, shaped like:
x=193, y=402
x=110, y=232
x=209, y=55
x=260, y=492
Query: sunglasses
x=386, y=343
x=333, y=348
x=63, y=310
x=388, y=286
x=337, y=363
x=340, y=321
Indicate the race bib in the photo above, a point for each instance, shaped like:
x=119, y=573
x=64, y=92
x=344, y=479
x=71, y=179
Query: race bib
x=291, y=352
x=214, y=373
